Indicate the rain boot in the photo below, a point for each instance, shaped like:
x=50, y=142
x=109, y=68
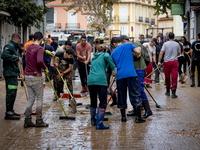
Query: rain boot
x=73, y=75
x=10, y=116
x=138, y=118
x=93, y=113
x=114, y=100
x=14, y=113
x=147, y=109
x=123, y=113
x=100, y=117
x=83, y=89
x=174, y=94
x=28, y=123
x=167, y=92
x=133, y=113
x=41, y=123
x=193, y=82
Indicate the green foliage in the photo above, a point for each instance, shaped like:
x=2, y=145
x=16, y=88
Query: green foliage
x=23, y=12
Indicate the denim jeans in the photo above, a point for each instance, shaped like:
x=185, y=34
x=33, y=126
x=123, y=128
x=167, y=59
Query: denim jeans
x=35, y=92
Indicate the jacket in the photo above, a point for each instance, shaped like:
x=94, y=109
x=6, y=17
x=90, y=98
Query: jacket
x=10, y=59
x=99, y=65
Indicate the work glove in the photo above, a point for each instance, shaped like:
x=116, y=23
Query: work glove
x=63, y=74
x=49, y=52
x=159, y=64
x=46, y=71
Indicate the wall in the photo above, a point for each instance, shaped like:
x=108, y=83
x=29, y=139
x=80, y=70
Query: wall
x=178, y=26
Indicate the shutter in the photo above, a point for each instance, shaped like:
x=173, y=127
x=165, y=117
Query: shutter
x=137, y=32
x=50, y=16
x=123, y=16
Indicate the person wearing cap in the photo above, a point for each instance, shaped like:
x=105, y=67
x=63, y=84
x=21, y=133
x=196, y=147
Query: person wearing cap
x=142, y=39
x=124, y=39
x=97, y=83
x=127, y=77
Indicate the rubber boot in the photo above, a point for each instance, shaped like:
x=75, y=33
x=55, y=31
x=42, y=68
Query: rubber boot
x=174, y=94
x=41, y=123
x=114, y=98
x=123, y=113
x=86, y=89
x=10, y=116
x=14, y=113
x=100, y=117
x=138, y=118
x=133, y=113
x=83, y=89
x=73, y=75
x=147, y=109
x=28, y=123
x=193, y=82
x=167, y=92
x=93, y=113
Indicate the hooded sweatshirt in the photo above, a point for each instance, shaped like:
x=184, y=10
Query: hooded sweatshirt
x=99, y=65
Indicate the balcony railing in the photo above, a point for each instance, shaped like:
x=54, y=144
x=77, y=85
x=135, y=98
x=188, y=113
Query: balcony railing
x=146, y=20
x=57, y=25
x=72, y=25
x=121, y=19
x=140, y=19
x=152, y=21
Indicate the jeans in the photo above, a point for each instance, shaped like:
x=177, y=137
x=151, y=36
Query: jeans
x=134, y=92
x=181, y=61
x=35, y=91
x=195, y=63
x=83, y=72
x=141, y=74
x=102, y=92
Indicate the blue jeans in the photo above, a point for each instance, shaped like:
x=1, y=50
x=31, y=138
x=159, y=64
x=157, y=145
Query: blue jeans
x=141, y=74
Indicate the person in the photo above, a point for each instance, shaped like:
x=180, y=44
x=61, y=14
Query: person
x=96, y=44
x=83, y=50
x=171, y=49
x=140, y=66
x=195, y=53
x=54, y=44
x=47, y=57
x=97, y=83
x=75, y=59
x=49, y=38
x=152, y=53
x=65, y=65
x=163, y=39
x=11, y=73
x=22, y=55
x=186, y=47
x=157, y=72
x=142, y=39
x=70, y=40
x=31, y=41
x=34, y=81
x=124, y=39
x=67, y=45
x=127, y=77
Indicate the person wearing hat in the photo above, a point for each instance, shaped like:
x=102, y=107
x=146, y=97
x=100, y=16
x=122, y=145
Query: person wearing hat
x=124, y=39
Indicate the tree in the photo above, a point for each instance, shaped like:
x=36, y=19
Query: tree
x=23, y=12
x=99, y=12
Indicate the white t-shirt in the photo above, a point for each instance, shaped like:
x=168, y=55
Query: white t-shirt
x=60, y=49
x=171, y=49
x=152, y=49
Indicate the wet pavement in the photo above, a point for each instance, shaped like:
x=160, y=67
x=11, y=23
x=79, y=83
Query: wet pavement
x=174, y=126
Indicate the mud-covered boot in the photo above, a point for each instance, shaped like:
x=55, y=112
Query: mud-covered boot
x=193, y=82
x=133, y=113
x=100, y=117
x=41, y=123
x=138, y=118
x=114, y=100
x=10, y=116
x=167, y=92
x=28, y=123
x=174, y=94
x=147, y=109
x=123, y=113
x=93, y=113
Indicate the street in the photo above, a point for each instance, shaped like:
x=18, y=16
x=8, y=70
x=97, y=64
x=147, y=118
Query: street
x=174, y=126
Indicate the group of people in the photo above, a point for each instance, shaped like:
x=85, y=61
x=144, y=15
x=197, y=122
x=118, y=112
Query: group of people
x=129, y=63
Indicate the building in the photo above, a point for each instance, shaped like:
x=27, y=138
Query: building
x=134, y=17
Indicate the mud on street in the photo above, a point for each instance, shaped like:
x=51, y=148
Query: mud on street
x=174, y=126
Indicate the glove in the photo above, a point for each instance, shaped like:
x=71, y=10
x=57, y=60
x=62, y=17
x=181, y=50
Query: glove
x=46, y=71
x=54, y=65
x=159, y=64
x=63, y=74
x=49, y=52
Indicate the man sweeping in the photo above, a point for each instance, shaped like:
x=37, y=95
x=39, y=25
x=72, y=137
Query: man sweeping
x=34, y=81
x=65, y=65
x=127, y=77
x=10, y=73
x=171, y=49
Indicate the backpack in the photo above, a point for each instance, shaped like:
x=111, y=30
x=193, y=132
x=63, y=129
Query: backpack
x=146, y=55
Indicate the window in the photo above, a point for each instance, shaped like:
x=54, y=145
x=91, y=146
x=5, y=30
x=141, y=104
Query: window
x=137, y=32
x=144, y=14
x=124, y=29
x=72, y=20
x=137, y=14
x=144, y=30
x=150, y=16
x=123, y=14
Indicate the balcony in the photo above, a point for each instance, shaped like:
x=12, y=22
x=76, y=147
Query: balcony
x=72, y=25
x=140, y=19
x=152, y=21
x=146, y=20
x=121, y=19
x=57, y=25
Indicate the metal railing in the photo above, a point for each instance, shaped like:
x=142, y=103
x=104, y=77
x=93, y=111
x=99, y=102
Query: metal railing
x=146, y=20
x=72, y=25
x=140, y=19
x=152, y=21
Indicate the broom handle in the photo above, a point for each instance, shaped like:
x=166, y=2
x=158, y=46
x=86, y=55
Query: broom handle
x=64, y=83
x=56, y=96
x=111, y=96
x=111, y=84
x=23, y=81
x=153, y=71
